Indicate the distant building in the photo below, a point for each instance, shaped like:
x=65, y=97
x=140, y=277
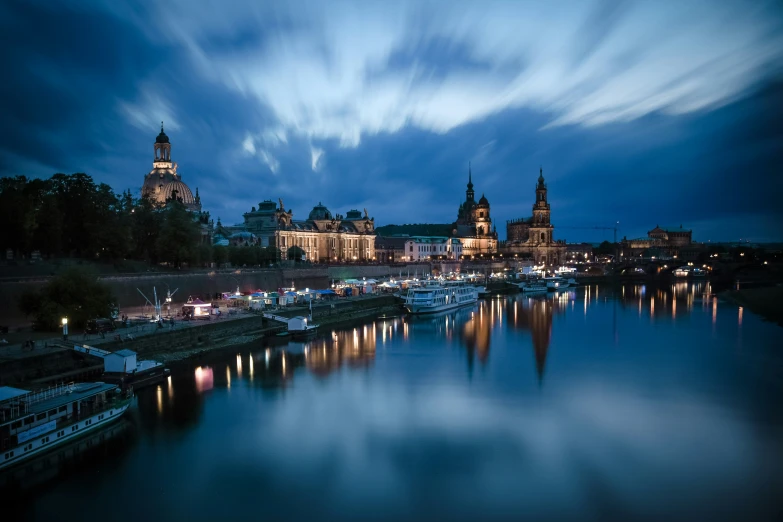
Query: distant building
x=578, y=252
x=419, y=248
x=661, y=242
x=321, y=237
x=533, y=236
x=390, y=249
x=163, y=183
x=474, y=224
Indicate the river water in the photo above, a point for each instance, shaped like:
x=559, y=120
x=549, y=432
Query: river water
x=633, y=403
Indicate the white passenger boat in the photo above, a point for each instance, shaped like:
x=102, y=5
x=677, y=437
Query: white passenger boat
x=33, y=422
x=440, y=297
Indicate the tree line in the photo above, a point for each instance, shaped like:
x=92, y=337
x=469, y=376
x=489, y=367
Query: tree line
x=72, y=216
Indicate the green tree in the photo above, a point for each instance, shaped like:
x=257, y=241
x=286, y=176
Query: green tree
x=241, y=256
x=604, y=249
x=13, y=211
x=179, y=235
x=219, y=255
x=204, y=254
x=295, y=254
x=145, y=224
x=76, y=293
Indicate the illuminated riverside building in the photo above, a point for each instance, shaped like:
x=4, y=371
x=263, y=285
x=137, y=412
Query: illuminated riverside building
x=420, y=248
x=163, y=183
x=323, y=236
x=534, y=236
x=661, y=242
x=474, y=224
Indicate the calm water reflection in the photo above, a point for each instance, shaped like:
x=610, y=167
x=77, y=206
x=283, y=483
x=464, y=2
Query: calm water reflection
x=632, y=403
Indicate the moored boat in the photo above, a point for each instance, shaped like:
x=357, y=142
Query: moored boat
x=482, y=291
x=532, y=286
x=554, y=284
x=439, y=297
x=33, y=422
x=301, y=327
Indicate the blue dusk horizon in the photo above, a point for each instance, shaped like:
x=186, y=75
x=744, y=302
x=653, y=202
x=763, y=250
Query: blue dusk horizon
x=642, y=113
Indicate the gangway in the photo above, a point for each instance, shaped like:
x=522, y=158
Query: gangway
x=90, y=350
x=279, y=318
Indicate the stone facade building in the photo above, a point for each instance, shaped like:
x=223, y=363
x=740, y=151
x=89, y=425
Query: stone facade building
x=534, y=236
x=474, y=224
x=164, y=183
x=660, y=242
x=390, y=249
x=420, y=248
x=321, y=237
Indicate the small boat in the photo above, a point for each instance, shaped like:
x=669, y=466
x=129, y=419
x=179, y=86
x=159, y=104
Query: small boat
x=554, y=284
x=33, y=422
x=300, y=327
x=439, y=297
x=482, y=291
x=532, y=286
x=122, y=368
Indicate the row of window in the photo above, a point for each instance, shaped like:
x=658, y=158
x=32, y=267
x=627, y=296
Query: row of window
x=60, y=433
x=432, y=248
x=38, y=417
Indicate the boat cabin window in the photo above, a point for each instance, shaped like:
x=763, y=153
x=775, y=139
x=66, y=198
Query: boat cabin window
x=52, y=412
x=63, y=408
x=29, y=420
x=40, y=416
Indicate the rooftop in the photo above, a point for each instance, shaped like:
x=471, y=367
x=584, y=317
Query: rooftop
x=8, y=392
x=53, y=398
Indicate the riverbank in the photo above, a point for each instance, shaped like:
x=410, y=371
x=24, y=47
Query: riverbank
x=58, y=361
x=373, y=307
x=766, y=302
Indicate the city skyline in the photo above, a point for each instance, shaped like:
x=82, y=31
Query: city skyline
x=637, y=114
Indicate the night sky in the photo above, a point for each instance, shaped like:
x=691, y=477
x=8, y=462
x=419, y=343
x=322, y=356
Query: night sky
x=639, y=112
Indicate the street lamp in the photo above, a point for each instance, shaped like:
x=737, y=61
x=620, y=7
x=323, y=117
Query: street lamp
x=65, y=328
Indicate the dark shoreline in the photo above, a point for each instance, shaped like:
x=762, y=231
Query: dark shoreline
x=766, y=302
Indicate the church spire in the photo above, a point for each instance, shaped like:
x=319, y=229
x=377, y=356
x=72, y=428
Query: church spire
x=469, y=194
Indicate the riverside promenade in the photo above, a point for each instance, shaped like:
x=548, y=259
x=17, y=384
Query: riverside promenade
x=52, y=358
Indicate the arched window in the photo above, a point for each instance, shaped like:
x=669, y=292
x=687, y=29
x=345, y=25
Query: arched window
x=542, y=237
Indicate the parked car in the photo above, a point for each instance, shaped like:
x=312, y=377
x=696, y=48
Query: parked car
x=99, y=325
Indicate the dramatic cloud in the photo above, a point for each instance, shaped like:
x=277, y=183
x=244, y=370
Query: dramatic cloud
x=639, y=112
x=342, y=70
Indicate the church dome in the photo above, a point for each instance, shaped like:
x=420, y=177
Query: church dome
x=162, y=138
x=180, y=191
x=483, y=201
x=319, y=212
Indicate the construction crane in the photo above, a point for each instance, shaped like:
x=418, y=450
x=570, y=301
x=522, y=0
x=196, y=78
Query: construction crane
x=613, y=229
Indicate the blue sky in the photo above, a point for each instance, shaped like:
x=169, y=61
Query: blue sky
x=639, y=112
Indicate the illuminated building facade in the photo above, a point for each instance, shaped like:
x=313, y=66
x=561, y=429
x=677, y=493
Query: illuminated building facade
x=662, y=242
x=474, y=224
x=321, y=237
x=534, y=236
x=164, y=183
